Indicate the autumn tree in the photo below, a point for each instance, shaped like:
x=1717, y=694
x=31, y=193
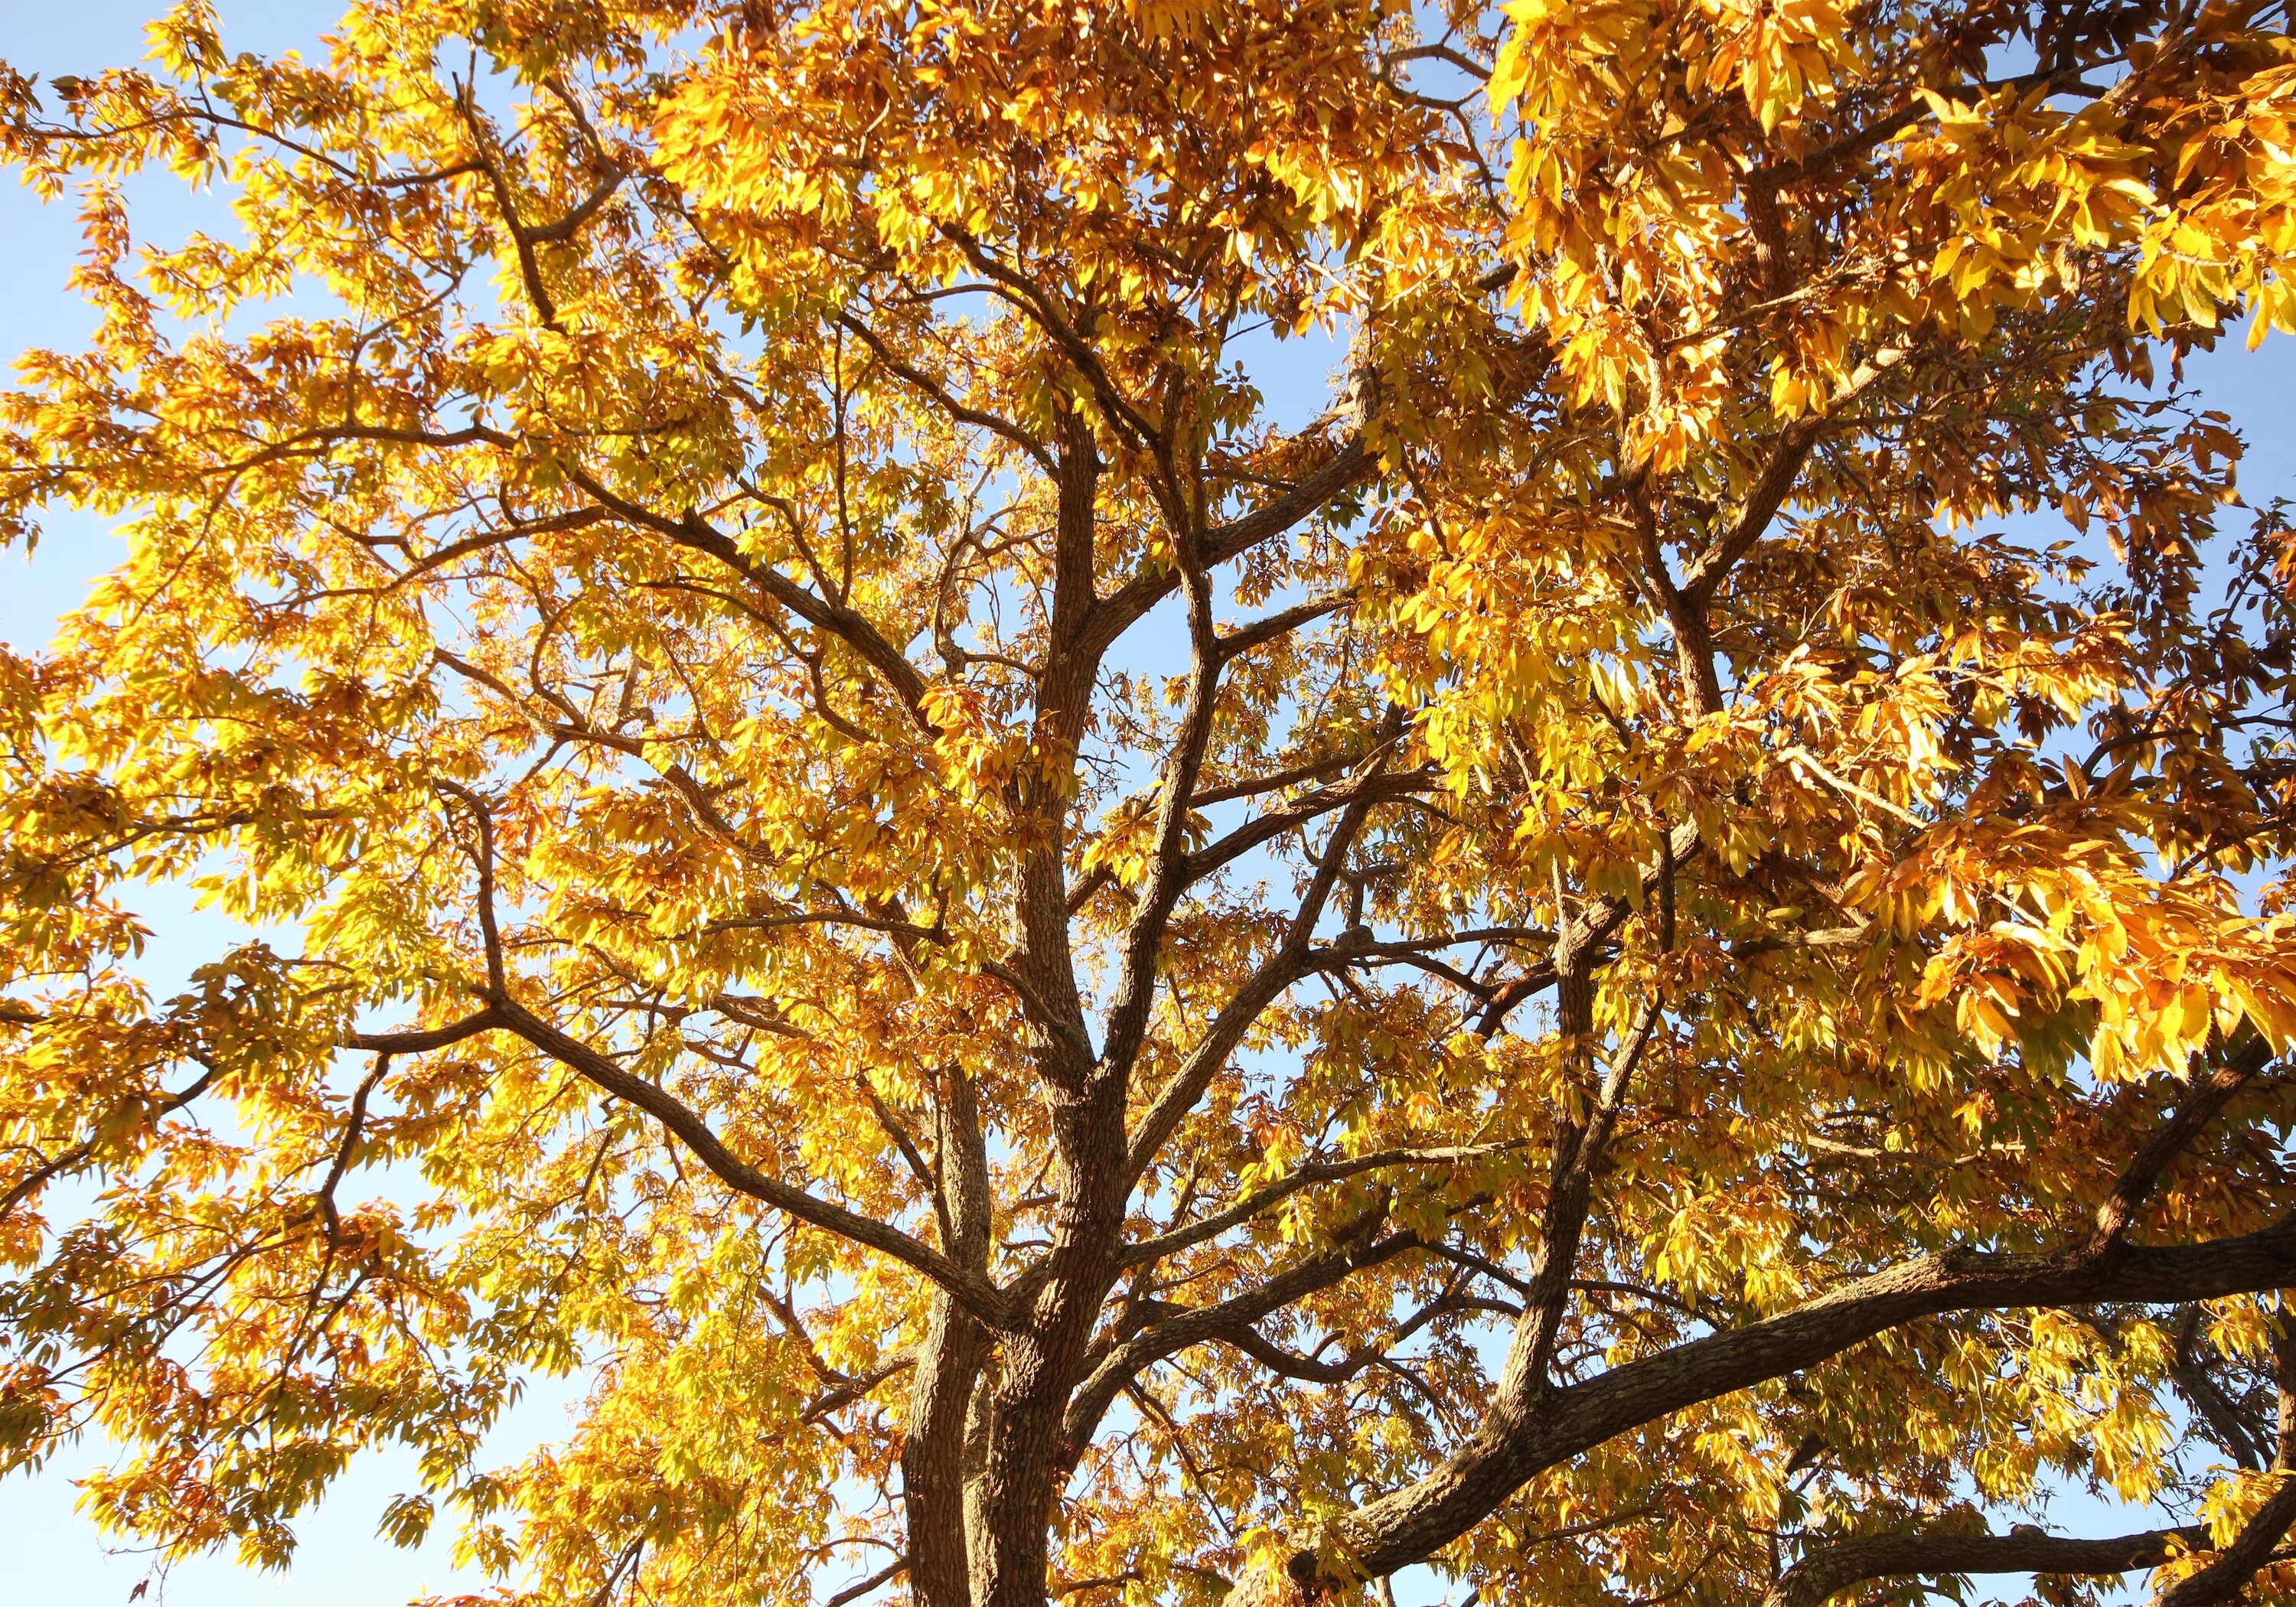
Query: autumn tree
x=1606, y=969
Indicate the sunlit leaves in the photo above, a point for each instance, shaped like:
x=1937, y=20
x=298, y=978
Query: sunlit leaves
x=700, y=534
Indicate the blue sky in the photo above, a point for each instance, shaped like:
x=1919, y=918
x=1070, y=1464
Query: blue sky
x=56, y=1555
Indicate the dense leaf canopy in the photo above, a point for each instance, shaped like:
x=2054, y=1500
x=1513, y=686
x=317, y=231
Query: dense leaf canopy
x=1595, y=968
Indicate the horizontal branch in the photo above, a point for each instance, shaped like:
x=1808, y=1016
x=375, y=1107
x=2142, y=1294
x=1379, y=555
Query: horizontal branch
x=1248, y=1340
x=1931, y=1554
x=421, y=1040
x=1276, y=781
x=1376, y=787
x=1306, y=1177
x=1270, y=627
x=1516, y=1444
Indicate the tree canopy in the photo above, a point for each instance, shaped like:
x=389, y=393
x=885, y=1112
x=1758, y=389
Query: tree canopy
x=1595, y=969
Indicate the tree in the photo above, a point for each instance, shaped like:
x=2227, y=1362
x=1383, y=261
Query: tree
x=1581, y=972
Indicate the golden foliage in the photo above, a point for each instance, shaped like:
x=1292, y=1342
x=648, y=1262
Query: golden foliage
x=1585, y=970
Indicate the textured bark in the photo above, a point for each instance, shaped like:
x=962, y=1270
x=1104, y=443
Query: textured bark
x=1028, y=1455
x=1931, y=1555
x=1517, y=1444
x=932, y=1457
x=933, y=1473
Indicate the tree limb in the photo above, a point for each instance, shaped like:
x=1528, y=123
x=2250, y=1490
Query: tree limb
x=1929, y=1554
x=1513, y=1446
x=1176, y=1239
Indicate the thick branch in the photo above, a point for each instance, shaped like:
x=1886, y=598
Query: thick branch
x=423, y=1040
x=1251, y=786
x=1930, y=1554
x=1275, y=625
x=1412, y=1524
